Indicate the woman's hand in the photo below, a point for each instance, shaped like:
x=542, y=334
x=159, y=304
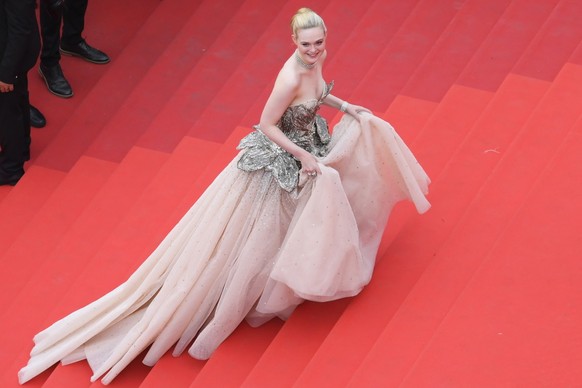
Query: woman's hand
x=355, y=110
x=309, y=164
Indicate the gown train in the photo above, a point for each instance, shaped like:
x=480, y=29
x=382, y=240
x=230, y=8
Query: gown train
x=247, y=249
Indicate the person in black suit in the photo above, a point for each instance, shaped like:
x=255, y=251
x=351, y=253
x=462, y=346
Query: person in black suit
x=72, y=15
x=19, y=48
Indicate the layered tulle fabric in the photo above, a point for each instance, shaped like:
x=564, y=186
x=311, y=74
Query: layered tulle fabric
x=247, y=248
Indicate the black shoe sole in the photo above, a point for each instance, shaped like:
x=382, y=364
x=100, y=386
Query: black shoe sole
x=49, y=88
x=36, y=125
x=73, y=54
x=10, y=181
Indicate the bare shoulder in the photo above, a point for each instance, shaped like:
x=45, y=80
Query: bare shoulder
x=284, y=92
x=288, y=78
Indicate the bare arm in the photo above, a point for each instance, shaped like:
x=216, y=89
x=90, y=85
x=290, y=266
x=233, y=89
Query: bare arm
x=344, y=106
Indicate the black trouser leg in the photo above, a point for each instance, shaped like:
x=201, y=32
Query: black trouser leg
x=50, y=28
x=74, y=21
x=15, y=128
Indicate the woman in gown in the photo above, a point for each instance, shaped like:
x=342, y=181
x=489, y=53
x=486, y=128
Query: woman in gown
x=297, y=215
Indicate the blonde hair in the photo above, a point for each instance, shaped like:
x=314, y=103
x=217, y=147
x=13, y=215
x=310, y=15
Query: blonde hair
x=305, y=18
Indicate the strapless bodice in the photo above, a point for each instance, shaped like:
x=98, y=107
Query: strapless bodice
x=303, y=126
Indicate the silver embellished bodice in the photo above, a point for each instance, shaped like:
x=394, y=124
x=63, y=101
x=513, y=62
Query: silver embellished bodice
x=303, y=126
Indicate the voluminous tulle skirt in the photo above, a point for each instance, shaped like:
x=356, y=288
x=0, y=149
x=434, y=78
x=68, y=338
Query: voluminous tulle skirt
x=247, y=249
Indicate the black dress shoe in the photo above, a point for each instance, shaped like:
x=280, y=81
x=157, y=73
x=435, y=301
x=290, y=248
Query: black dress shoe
x=55, y=80
x=9, y=179
x=37, y=119
x=83, y=50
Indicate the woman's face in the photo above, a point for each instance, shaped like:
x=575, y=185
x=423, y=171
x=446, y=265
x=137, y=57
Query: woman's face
x=310, y=44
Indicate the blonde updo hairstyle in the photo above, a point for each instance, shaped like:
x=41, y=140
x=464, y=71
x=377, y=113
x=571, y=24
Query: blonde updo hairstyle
x=305, y=18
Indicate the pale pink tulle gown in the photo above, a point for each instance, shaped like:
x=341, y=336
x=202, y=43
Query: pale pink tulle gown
x=256, y=244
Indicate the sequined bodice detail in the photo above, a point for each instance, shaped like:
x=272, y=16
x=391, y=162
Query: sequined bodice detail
x=300, y=123
x=303, y=126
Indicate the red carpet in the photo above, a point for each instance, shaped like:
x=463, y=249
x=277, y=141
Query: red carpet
x=482, y=291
